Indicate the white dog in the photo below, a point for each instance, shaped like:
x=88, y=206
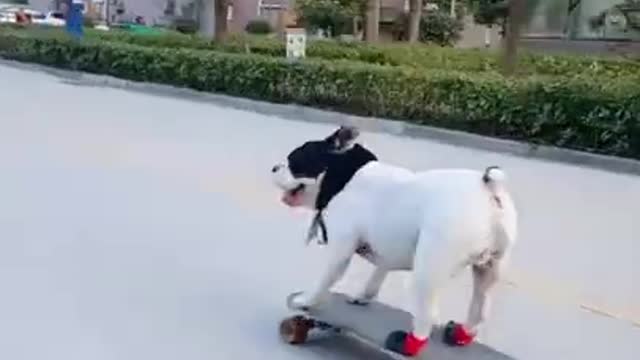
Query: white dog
x=433, y=223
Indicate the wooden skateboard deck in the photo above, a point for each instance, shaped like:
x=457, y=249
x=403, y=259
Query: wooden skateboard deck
x=371, y=324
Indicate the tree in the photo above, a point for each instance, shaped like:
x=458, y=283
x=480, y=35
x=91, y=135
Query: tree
x=415, y=14
x=511, y=15
x=332, y=16
x=490, y=12
x=455, y=8
x=516, y=16
x=431, y=24
x=169, y=8
x=221, y=13
x=440, y=28
x=206, y=18
x=372, y=21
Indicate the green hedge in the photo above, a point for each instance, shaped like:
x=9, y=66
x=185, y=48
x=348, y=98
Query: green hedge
x=575, y=113
x=397, y=54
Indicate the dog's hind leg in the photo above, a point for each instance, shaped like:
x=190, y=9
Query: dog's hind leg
x=432, y=266
x=484, y=280
x=485, y=277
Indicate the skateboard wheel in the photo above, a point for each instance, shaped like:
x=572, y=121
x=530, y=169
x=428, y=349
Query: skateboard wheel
x=294, y=330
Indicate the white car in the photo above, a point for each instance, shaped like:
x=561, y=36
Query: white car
x=55, y=18
x=52, y=18
x=7, y=17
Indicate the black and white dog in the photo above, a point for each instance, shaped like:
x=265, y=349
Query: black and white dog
x=433, y=223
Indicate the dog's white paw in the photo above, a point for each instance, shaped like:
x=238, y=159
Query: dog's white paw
x=361, y=299
x=302, y=302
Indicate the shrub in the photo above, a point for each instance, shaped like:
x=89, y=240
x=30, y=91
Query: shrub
x=400, y=54
x=397, y=54
x=438, y=27
x=577, y=113
x=184, y=25
x=88, y=21
x=258, y=26
x=328, y=15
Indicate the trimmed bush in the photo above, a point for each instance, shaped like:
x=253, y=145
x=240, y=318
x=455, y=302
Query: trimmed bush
x=258, y=26
x=397, y=54
x=577, y=113
x=436, y=27
x=428, y=57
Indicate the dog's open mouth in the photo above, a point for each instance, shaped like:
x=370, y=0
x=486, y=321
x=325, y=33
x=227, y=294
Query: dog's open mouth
x=294, y=197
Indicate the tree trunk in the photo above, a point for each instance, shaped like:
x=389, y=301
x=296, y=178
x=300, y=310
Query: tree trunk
x=515, y=20
x=373, y=20
x=206, y=17
x=281, y=24
x=354, y=26
x=221, y=28
x=415, y=15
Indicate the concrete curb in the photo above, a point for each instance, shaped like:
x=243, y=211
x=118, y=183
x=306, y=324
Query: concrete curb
x=308, y=114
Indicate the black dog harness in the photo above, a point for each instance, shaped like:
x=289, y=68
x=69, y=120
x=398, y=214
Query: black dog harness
x=318, y=222
x=339, y=172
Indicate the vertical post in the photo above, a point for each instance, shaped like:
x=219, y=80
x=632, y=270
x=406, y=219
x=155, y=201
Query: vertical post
x=415, y=16
x=517, y=16
x=74, y=20
x=487, y=36
x=105, y=8
x=281, y=21
x=221, y=19
x=453, y=9
x=296, y=43
x=280, y=24
x=373, y=20
x=208, y=18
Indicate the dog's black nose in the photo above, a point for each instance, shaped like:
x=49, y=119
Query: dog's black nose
x=276, y=168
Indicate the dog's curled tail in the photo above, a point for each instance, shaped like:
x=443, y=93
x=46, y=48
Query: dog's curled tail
x=494, y=178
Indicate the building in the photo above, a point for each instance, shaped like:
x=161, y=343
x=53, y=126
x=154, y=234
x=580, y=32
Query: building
x=245, y=11
x=574, y=19
x=150, y=10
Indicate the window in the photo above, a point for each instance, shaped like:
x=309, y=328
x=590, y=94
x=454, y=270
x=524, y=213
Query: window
x=268, y=6
x=426, y=5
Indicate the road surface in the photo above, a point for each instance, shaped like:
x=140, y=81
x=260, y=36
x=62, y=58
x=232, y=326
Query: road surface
x=142, y=227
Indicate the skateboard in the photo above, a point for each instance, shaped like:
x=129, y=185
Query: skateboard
x=371, y=324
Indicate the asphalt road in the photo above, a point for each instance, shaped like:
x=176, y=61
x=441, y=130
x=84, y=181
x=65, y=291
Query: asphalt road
x=142, y=227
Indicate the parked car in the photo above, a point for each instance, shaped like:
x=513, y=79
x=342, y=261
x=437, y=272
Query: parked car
x=8, y=14
x=7, y=17
x=51, y=18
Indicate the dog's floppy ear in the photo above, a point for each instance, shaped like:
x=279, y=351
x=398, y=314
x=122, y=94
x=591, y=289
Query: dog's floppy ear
x=343, y=139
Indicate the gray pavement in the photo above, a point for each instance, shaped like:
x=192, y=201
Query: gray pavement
x=142, y=227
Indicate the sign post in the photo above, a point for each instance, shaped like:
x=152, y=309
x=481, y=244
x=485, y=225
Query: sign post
x=296, y=43
x=74, y=18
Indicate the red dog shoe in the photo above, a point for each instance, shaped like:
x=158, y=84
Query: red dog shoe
x=457, y=334
x=405, y=343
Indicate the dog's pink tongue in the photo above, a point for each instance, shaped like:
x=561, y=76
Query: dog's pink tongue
x=291, y=200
